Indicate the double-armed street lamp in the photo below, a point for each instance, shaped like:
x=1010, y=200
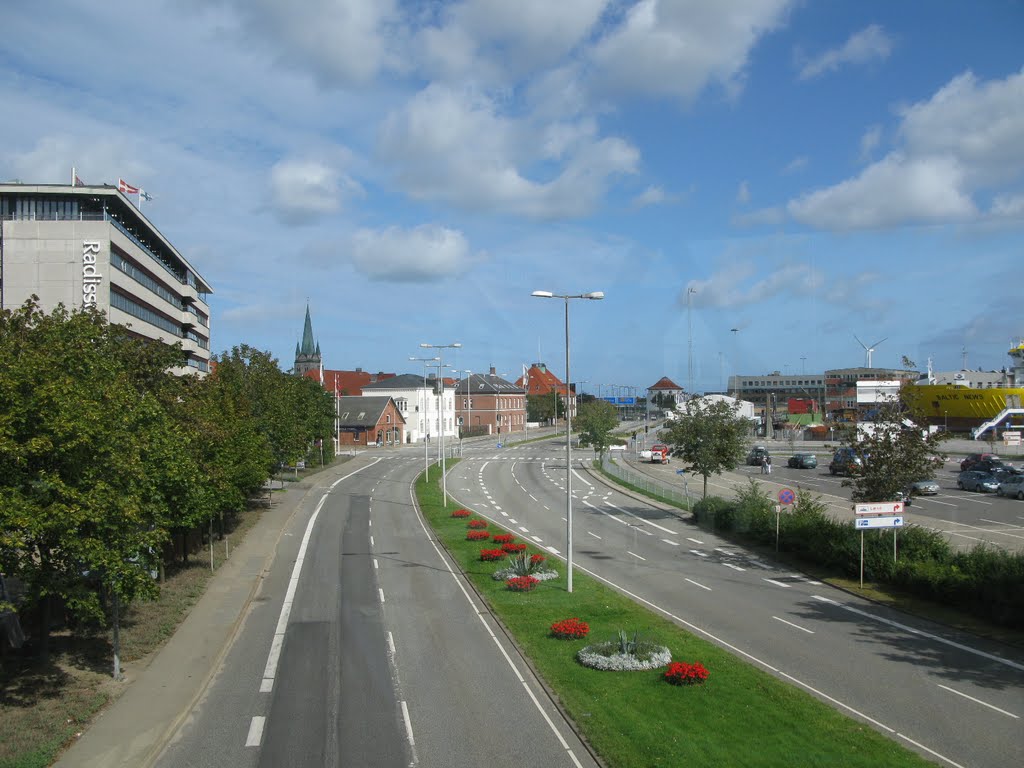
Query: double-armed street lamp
x=425, y=419
x=594, y=296
x=440, y=381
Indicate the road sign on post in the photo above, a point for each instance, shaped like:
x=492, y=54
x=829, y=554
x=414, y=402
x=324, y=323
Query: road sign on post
x=878, y=522
x=879, y=508
x=786, y=496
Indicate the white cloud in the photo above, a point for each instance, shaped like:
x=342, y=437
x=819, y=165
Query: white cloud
x=1009, y=206
x=303, y=190
x=653, y=195
x=796, y=164
x=888, y=193
x=424, y=254
x=337, y=42
x=676, y=48
x=743, y=193
x=870, y=44
x=743, y=282
x=969, y=136
x=455, y=146
x=869, y=142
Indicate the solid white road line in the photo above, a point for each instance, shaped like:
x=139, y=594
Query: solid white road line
x=697, y=584
x=408, y=724
x=979, y=701
x=795, y=626
x=921, y=633
x=255, y=732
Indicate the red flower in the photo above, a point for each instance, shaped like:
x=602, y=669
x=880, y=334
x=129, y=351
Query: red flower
x=682, y=673
x=522, y=583
x=461, y=513
x=570, y=629
x=503, y=538
x=535, y=559
x=476, y=523
x=477, y=535
x=491, y=554
x=513, y=548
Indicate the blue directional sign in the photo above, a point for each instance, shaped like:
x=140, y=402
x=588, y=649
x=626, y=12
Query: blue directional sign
x=680, y=471
x=878, y=522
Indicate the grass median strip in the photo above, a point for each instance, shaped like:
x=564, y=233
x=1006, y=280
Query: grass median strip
x=742, y=716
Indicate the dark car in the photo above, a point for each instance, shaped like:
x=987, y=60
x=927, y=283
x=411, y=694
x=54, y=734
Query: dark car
x=757, y=454
x=803, y=461
x=974, y=458
x=845, y=461
x=983, y=482
x=992, y=464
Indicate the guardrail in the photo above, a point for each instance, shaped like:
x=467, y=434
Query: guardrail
x=647, y=483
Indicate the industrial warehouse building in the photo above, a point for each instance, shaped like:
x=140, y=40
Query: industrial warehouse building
x=86, y=246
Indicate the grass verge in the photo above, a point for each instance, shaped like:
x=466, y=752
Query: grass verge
x=740, y=717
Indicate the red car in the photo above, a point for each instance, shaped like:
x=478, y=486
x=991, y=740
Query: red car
x=659, y=454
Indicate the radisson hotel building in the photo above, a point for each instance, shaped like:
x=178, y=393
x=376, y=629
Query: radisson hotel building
x=90, y=246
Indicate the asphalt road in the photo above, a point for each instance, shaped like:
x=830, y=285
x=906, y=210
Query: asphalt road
x=953, y=697
x=364, y=648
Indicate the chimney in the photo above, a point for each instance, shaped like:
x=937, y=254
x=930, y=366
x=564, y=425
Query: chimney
x=492, y=370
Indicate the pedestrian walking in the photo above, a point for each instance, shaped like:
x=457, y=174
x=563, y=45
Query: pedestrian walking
x=764, y=465
x=768, y=464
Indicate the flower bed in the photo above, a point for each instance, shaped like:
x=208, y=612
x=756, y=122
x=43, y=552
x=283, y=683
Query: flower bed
x=570, y=629
x=683, y=673
x=503, y=538
x=504, y=574
x=522, y=583
x=461, y=513
x=624, y=655
x=477, y=535
x=477, y=523
x=514, y=547
x=491, y=554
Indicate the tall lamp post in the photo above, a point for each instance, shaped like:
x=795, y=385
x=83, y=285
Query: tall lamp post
x=469, y=397
x=456, y=345
x=689, y=332
x=595, y=296
x=426, y=421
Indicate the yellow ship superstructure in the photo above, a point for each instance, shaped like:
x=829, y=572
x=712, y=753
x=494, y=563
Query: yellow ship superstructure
x=971, y=398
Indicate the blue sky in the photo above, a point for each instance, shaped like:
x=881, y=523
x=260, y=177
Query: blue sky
x=414, y=170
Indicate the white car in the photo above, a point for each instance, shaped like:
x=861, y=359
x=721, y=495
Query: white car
x=1012, y=486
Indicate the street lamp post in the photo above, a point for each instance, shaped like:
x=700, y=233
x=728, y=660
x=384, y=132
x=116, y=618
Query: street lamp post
x=440, y=381
x=689, y=332
x=469, y=397
x=595, y=296
x=426, y=422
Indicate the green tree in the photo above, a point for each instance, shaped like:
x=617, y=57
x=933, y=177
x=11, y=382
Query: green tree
x=664, y=400
x=85, y=466
x=541, y=408
x=894, y=451
x=709, y=436
x=595, y=422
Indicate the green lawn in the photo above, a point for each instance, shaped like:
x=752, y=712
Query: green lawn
x=741, y=716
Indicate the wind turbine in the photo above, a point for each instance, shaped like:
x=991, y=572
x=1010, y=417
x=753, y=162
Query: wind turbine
x=868, y=350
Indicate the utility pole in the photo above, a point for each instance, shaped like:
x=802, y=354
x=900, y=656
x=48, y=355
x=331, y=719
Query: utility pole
x=689, y=332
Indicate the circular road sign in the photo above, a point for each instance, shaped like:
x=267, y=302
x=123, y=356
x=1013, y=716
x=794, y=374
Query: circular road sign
x=786, y=496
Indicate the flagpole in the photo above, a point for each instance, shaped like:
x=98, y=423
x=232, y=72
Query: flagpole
x=74, y=175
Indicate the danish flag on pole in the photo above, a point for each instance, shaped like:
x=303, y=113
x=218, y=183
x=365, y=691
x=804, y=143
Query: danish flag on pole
x=128, y=189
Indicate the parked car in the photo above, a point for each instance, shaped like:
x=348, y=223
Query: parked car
x=924, y=488
x=1013, y=485
x=803, y=461
x=757, y=454
x=974, y=458
x=992, y=464
x=983, y=482
x=845, y=461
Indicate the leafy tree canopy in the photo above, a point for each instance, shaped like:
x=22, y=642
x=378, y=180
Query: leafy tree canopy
x=709, y=436
x=595, y=422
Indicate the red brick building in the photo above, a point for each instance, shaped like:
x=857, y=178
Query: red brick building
x=369, y=421
x=538, y=380
x=486, y=404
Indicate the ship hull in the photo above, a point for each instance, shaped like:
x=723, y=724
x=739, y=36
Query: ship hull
x=960, y=406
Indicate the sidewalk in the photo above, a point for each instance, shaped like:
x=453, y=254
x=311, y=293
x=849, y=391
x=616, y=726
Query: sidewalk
x=133, y=730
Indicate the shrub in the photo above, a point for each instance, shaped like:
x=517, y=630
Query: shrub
x=522, y=583
x=682, y=673
x=477, y=535
x=503, y=538
x=522, y=564
x=477, y=523
x=570, y=629
x=715, y=512
x=491, y=554
x=461, y=513
x=514, y=548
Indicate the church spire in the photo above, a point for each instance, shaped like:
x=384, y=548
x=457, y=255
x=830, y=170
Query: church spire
x=307, y=354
